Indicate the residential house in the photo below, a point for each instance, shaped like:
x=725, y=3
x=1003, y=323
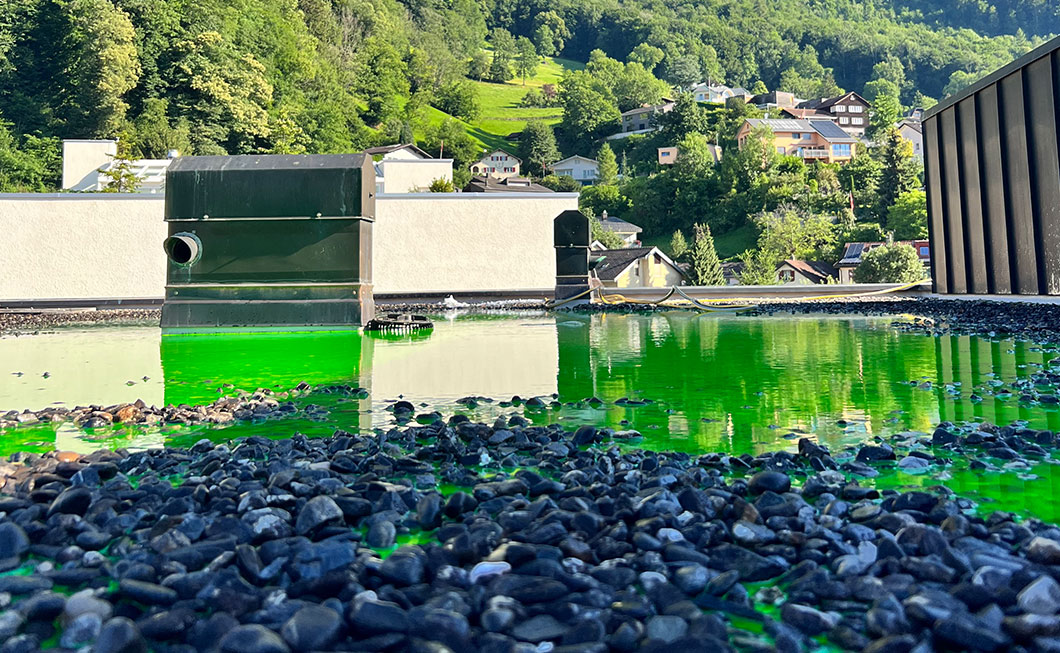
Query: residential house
x=850, y=111
x=627, y=231
x=712, y=93
x=497, y=163
x=916, y=113
x=912, y=131
x=642, y=119
x=490, y=184
x=580, y=168
x=774, y=100
x=668, y=155
x=85, y=163
x=852, y=253
x=635, y=267
x=398, y=152
x=742, y=92
x=812, y=140
x=731, y=271
x=794, y=271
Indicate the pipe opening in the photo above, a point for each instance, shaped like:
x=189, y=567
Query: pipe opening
x=184, y=248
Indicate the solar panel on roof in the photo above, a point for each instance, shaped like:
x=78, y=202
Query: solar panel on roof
x=829, y=129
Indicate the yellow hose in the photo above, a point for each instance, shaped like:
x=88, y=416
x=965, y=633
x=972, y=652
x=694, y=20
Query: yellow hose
x=728, y=304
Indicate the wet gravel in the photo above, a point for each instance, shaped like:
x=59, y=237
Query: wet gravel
x=462, y=536
x=29, y=322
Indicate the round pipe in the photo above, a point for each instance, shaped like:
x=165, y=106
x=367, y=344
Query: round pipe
x=183, y=248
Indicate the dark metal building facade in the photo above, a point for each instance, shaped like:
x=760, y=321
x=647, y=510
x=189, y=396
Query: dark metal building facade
x=992, y=165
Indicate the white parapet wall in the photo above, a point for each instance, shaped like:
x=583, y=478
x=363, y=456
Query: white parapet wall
x=81, y=246
x=109, y=246
x=451, y=242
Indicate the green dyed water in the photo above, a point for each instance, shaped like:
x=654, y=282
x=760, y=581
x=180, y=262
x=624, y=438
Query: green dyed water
x=693, y=383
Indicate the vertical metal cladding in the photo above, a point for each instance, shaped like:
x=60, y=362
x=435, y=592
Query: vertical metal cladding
x=992, y=173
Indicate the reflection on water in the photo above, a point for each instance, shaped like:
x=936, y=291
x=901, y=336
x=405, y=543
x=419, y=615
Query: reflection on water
x=702, y=383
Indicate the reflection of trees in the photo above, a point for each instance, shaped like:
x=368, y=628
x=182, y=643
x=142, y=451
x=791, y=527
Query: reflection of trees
x=746, y=373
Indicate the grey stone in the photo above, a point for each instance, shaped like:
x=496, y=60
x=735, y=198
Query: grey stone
x=312, y=628
x=666, y=628
x=81, y=631
x=253, y=639
x=119, y=635
x=317, y=512
x=1040, y=597
x=13, y=540
x=541, y=628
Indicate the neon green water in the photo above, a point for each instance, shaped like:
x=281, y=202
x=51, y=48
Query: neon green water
x=705, y=383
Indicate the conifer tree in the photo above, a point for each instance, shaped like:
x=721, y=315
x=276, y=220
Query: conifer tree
x=678, y=244
x=706, y=267
x=608, y=174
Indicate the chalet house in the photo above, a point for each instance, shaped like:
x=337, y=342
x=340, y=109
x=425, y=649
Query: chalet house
x=642, y=119
x=731, y=271
x=497, y=163
x=912, y=131
x=627, y=231
x=580, y=168
x=853, y=252
x=849, y=111
x=796, y=272
x=490, y=184
x=812, y=140
x=635, y=267
x=712, y=93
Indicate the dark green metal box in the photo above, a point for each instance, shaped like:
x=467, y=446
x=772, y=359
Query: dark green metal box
x=269, y=242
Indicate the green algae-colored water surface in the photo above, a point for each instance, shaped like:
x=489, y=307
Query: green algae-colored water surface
x=687, y=382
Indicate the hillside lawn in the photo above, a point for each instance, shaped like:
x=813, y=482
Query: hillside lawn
x=500, y=113
x=728, y=245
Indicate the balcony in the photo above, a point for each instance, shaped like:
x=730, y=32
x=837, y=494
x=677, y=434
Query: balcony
x=812, y=153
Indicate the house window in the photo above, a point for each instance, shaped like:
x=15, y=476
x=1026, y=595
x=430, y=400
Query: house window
x=664, y=154
x=857, y=121
x=844, y=120
x=925, y=251
x=841, y=149
x=807, y=137
x=839, y=108
x=780, y=150
x=787, y=276
x=657, y=259
x=856, y=108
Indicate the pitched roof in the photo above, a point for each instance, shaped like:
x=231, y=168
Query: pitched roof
x=618, y=225
x=572, y=158
x=817, y=271
x=617, y=260
x=649, y=107
x=806, y=114
x=487, y=184
x=387, y=149
x=915, y=125
x=827, y=102
x=826, y=128
x=492, y=152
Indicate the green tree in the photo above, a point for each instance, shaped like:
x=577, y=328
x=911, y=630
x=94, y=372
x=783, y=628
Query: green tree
x=550, y=33
x=441, y=185
x=608, y=239
x=687, y=116
x=120, y=176
x=791, y=233
x=504, y=53
x=451, y=140
x=646, y=55
x=759, y=88
x=525, y=58
x=885, y=111
x=32, y=166
x=892, y=263
x=156, y=134
x=678, y=245
x=479, y=66
x=636, y=87
x=589, y=109
x=458, y=99
x=561, y=183
x=877, y=88
x=537, y=147
x=907, y=217
x=706, y=267
x=683, y=71
x=900, y=171
x=608, y=166
x=759, y=267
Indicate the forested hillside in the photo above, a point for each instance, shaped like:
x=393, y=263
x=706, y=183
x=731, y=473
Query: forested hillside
x=237, y=76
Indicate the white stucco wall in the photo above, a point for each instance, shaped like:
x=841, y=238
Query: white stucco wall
x=449, y=242
x=69, y=246
x=413, y=175
x=102, y=246
x=82, y=159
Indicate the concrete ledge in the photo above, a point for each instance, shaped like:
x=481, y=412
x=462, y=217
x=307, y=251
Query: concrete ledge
x=158, y=197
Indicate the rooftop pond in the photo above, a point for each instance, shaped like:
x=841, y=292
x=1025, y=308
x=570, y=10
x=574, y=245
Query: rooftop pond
x=695, y=383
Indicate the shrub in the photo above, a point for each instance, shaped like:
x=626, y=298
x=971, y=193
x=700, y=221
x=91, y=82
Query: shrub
x=895, y=263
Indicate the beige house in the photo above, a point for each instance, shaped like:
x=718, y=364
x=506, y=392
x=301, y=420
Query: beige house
x=498, y=164
x=912, y=131
x=635, y=267
x=810, y=140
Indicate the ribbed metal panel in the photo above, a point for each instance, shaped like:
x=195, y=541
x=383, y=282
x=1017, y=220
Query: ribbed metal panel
x=992, y=165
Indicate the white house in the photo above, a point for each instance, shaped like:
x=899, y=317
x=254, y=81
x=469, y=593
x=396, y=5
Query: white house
x=85, y=161
x=580, y=168
x=497, y=163
x=405, y=168
x=399, y=152
x=712, y=93
x=912, y=131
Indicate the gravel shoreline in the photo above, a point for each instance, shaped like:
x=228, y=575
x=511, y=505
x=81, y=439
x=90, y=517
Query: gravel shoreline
x=270, y=546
